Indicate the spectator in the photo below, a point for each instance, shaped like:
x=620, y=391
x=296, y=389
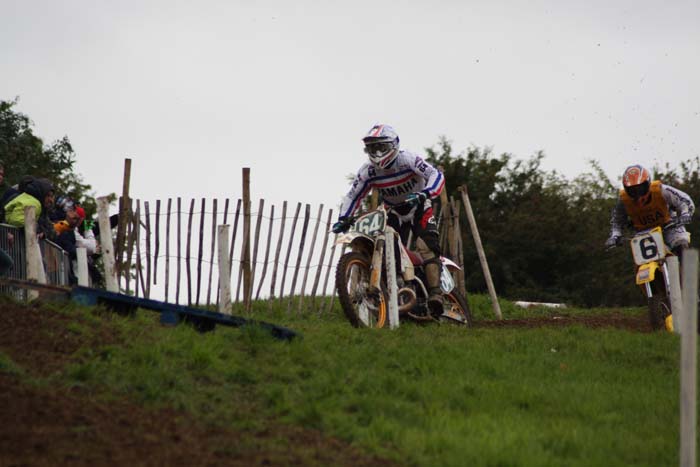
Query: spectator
x=12, y=192
x=69, y=238
x=66, y=239
x=37, y=192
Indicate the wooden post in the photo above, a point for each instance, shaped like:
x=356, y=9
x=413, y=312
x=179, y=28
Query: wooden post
x=688, y=396
x=480, y=250
x=233, y=234
x=444, y=218
x=676, y=298
x=187, y=255
x=289, y=249
x=328, y=271
x=107, y=244
x=247, y=286
x=81, y=256
x=123, y=215
x=226, y=204
x=200, y=251
x=302, y=240
x=34, y=261
x=157, y=246
x=179, y=250
x=213, y=247
x=311, y=253
x=167, y=249
x=139, y=262
x=147, y=291
x=256, y=242
x=390, y=259
x=224, y=270
x=126, y=264
x=267, y=252
x=277, y=252
x=456, y=246
x=323, y=256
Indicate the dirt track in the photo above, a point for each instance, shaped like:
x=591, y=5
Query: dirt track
x=638, y=323
x=43, y=426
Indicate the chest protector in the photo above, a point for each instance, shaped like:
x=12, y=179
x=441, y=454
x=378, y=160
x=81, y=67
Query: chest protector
x=655, y=213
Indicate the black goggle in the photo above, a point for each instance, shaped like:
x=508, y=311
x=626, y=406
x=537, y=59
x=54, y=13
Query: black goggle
x=637, y=191
x=382, y=148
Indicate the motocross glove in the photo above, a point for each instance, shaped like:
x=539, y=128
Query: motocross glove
x=416, y=198
x=613, y=241
x=685, y=219
x=342, y=225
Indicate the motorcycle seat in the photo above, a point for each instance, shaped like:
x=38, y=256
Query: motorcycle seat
x=416, y=259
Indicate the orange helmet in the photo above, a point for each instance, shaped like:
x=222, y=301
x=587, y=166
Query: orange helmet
x=636, y=181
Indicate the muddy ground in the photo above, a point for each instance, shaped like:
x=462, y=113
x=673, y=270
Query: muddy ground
x=45, y=426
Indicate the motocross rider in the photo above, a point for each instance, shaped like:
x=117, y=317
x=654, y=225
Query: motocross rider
x=407, y=184
x=651, y=204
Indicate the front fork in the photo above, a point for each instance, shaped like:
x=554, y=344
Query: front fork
x=667, y=284
x=377, y=260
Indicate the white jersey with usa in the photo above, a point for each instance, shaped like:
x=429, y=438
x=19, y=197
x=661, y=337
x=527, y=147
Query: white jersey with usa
x=409, y=173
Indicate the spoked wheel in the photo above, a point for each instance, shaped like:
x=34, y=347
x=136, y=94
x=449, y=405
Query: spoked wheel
x=456, y=308
x=659, y=309
x=362, y=307
x=658, y=305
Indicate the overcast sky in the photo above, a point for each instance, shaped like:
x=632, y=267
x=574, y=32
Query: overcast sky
x=194, y=91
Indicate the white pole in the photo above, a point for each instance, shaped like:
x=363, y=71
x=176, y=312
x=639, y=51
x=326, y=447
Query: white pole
x=224, y=270
x=676, y=298
x=689, y=358
x=81, y=254
x=33, y=252
x=391, y=280
x=107, y=244
x=480, y=250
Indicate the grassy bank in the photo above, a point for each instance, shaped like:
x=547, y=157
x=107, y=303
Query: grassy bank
x=420, y=395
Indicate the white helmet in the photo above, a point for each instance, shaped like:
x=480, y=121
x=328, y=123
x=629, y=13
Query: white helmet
x=381, y=145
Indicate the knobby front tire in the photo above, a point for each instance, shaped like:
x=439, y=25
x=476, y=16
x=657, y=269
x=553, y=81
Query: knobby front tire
x=360, y=306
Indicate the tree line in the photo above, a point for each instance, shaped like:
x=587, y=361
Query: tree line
x=544, y=234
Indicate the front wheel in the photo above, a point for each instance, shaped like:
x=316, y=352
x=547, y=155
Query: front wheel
x=658, y=305
x=362, y=307
x=456, y=308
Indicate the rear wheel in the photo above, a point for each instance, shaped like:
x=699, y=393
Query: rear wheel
x=362, y=307
x=455, y=307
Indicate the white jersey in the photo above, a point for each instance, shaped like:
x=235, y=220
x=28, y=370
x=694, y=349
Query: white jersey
x=409, y=173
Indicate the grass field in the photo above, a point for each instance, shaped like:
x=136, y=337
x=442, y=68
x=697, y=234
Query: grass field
x=419, y=395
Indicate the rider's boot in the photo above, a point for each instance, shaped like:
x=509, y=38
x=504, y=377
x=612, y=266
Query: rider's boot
x=432, y=277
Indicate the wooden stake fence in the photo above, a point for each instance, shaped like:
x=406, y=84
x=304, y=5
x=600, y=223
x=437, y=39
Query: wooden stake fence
x=309, y=259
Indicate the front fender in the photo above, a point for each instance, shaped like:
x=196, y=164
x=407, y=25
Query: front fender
x=646, y=273
x=357, y=241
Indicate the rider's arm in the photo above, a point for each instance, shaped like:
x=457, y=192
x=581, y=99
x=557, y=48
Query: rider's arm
x=434, y=179
x=677, y=200
x=618, y=219
x=359, y=189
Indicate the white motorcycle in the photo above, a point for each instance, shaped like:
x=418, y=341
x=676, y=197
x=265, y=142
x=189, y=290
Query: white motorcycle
x=361, y=278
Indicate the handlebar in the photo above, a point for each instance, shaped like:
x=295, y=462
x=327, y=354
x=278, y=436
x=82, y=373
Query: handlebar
x=670, y=225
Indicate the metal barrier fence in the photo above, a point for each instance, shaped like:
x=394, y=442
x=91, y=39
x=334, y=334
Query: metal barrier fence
x=57, y=263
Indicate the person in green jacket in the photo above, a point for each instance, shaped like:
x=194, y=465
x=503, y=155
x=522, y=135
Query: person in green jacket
x=38, y=193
